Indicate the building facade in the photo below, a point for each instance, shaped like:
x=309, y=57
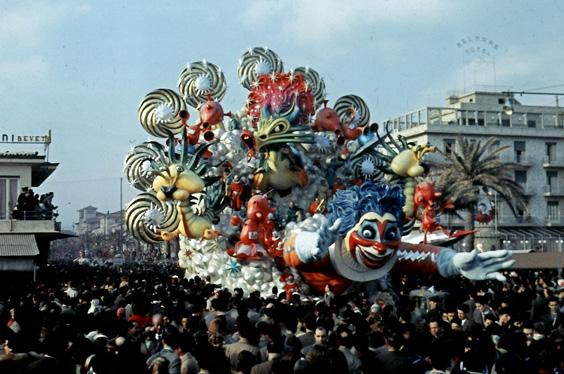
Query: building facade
x=25, y=235
x=534, y=136
x=93, y=222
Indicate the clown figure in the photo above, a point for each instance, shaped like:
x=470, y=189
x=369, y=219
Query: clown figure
x=359, y=240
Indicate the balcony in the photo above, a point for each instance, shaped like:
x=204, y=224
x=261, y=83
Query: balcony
x=38, y=226
x=553, y=190
x=520, y=159
x=553, y=162
x=479, y=119
x=528, y=189
x=555, y=220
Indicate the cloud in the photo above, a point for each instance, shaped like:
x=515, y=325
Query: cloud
x=28, y=23
x=19, y=70
x=316, y=21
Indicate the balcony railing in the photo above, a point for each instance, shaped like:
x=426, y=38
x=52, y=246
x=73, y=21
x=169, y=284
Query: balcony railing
x=527, y=188
x=552, y=161
x=554, y=220
x=33, y=215
x=553, y=189
x=522, y=158
x=479, y=118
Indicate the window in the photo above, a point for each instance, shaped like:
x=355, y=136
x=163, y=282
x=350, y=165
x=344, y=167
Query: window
x=551, y=180
x=550, y=151
x=531, y=123
x=471, y=121
x=519, y=148
x=448, y=145
x=480, y=122
x=521, y=177
x=505, y=122
x=501, y=101
x=553, y=210
x=8, y=196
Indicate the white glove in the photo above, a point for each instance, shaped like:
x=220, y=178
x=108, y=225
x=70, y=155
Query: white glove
x=483, y=265
x=312, y=246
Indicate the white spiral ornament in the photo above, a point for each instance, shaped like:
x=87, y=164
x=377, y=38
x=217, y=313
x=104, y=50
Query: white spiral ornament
x=315, y=82
x=199, y=80
x=158, y=112
x=256, y=62
x=146, y=216
x=352, y=107
x=137, y=164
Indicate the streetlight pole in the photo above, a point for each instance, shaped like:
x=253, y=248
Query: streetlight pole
x=560, y=242
x=120, y=250
x=495, y=211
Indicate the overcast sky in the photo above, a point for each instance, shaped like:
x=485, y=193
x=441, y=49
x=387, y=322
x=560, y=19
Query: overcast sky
x=80, y=68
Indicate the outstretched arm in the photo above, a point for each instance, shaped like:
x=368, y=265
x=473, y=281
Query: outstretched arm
x=449, y=263
x=476, y=265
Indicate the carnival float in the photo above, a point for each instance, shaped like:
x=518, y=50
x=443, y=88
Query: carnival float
x=290, y=191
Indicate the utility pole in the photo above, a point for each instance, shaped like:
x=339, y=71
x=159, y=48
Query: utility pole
x=120, y=239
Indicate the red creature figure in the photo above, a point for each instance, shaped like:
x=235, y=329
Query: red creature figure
x=348, y=130
x=290, y=287
x=427, y=197
x=326, y=120
x=256, y=235
x=235, y=193
x=248, y=139
x=192, y=131
x=211, y=112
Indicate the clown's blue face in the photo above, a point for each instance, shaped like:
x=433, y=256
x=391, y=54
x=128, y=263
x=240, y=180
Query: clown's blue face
x=368, y=251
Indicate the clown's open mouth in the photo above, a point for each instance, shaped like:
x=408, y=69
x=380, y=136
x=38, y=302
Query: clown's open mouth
x=370, y=257
x=365, y=265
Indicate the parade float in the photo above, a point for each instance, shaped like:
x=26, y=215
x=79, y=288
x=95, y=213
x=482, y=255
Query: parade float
x=293, y=190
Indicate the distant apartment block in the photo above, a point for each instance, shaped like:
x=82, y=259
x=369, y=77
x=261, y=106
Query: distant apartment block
x=535, y=137
x=93, y=222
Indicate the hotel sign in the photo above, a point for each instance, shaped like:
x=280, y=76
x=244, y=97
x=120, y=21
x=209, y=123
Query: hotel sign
x=27, y=139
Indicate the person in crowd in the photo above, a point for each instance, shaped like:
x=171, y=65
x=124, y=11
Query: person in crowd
x=554, y=319
x=308, y=337
x=170, y=343
x=462, y=314
x=321, y=339
x=274, y=349
x=232, y=351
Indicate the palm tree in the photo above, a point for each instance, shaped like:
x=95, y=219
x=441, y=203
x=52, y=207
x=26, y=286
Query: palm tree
x=473, y=168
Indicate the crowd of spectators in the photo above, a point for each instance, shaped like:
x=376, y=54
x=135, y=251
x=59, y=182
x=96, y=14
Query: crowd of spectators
x=31, y=206
x=150, y=319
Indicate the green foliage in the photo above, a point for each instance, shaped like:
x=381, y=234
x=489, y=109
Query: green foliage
x=473, y=168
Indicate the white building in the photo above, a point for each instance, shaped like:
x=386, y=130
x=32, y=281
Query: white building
x=93, y=222
x=25, y=237
x=535, y=136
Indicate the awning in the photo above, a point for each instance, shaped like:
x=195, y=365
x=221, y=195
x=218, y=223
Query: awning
x=12, y=245
x=548, y=260
x=532, y=232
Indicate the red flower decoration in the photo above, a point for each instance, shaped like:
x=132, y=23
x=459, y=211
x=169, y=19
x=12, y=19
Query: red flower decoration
x=277, y=93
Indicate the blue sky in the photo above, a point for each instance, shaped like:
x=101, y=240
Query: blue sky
x=80, y=68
